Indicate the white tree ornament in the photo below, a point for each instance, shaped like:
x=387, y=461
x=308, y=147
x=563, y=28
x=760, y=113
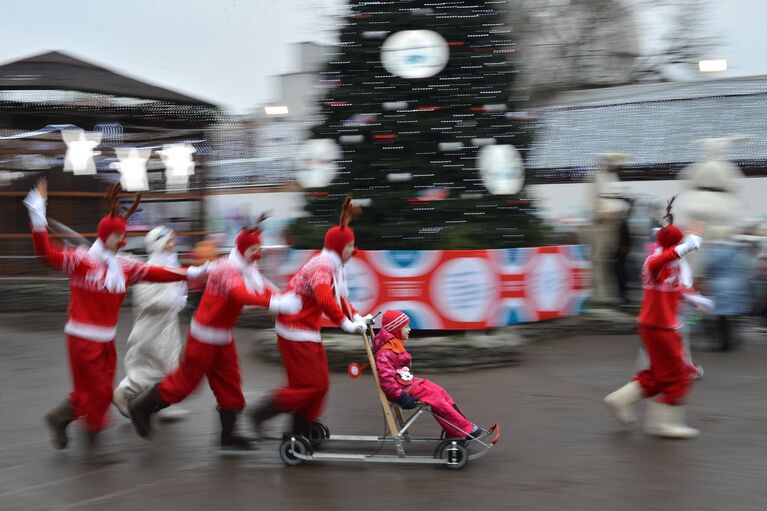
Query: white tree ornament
x=179, y=164
x=415, y=53
x=80, y=151
x=502, y=169
x=316, y=165
x=132, y=168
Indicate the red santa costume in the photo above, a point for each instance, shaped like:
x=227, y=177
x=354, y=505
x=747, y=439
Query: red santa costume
x=98, y=279
x=670, y=375
x=210, y=351
x=321, y=284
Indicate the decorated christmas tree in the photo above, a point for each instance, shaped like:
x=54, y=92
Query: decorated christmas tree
x=421, y=123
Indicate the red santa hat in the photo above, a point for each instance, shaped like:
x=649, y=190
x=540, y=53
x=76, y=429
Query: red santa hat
x=110, y=225
x=247, y=238
x=114, y=221
x=670, y=235
x=339, y=236
x=250, y=236
x=394, y=321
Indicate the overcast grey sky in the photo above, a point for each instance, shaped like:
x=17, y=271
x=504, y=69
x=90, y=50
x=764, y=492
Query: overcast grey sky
x=225, y=51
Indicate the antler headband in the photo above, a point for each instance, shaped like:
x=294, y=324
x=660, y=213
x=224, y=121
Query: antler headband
x=114, y=205
x=669, y=217
x=348, y=212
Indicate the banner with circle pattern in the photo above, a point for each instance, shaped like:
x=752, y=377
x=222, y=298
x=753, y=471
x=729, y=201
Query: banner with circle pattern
x=466, y=289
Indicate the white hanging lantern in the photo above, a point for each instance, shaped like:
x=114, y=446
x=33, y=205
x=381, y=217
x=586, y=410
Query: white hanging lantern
x=177, y=159
x=179, y=165
x=132, y=168
x=80, y=151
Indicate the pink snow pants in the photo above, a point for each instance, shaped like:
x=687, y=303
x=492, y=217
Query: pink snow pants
x=451, y=420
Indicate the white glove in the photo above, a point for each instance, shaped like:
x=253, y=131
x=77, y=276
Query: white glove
x=700, y=302
x=353, y=327
x=196, y=272
x=366, y=319
x=289, y=303
x=36, y=207
x=692, y=242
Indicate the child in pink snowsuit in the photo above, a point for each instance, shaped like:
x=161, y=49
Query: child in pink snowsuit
x=401, y=387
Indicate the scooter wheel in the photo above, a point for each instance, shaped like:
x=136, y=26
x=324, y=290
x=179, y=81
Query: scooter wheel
x=454, y=452
x=317, y=433
x=289, y=448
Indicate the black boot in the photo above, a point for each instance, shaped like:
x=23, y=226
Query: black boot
x=475, y=434
x=96, y=454
x=261, y=413
x=301, y=426
x=57, y=420
x=142, y=408
x=229, y=439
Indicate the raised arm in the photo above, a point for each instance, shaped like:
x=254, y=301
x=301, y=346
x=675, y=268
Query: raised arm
x=60, y=258
x=656, y=262
x=151, y=273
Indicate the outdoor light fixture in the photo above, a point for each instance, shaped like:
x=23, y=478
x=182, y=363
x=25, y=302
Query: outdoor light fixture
x=712, y=66
x=276, y=110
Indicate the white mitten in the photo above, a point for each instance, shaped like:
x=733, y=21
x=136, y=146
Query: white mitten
x=36, y=207
x=353, y=327
x=196, y=272
x=365, y=319
x=700, y=302
x=289, y=303
x=692, y=242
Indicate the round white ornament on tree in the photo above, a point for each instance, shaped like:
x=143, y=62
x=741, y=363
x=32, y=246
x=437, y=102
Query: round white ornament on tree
x=415, y=53
x=502, y=169
x=316, y=165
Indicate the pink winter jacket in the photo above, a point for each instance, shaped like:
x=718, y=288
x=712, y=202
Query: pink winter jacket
x=387, y=363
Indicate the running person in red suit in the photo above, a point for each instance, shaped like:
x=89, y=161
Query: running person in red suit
x=210, y=350
x=670, y=375
x=321, y=284
x=98, y=279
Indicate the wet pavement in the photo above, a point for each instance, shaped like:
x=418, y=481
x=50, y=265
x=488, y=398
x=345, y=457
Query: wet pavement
x=560, y=448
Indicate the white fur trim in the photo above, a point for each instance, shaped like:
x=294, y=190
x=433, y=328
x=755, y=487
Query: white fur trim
x=90, y=332
x=292, y=334
x=340, y=273
x=210, y=335
x=250, y=274
x=114, y=281
x=685, y=273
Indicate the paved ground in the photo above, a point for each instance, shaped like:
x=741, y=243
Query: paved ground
x=560, y=448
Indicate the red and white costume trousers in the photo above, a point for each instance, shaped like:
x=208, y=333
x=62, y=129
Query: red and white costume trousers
x=306, y=365
x=93, y=366
x=670, y=374
x=217, y=362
